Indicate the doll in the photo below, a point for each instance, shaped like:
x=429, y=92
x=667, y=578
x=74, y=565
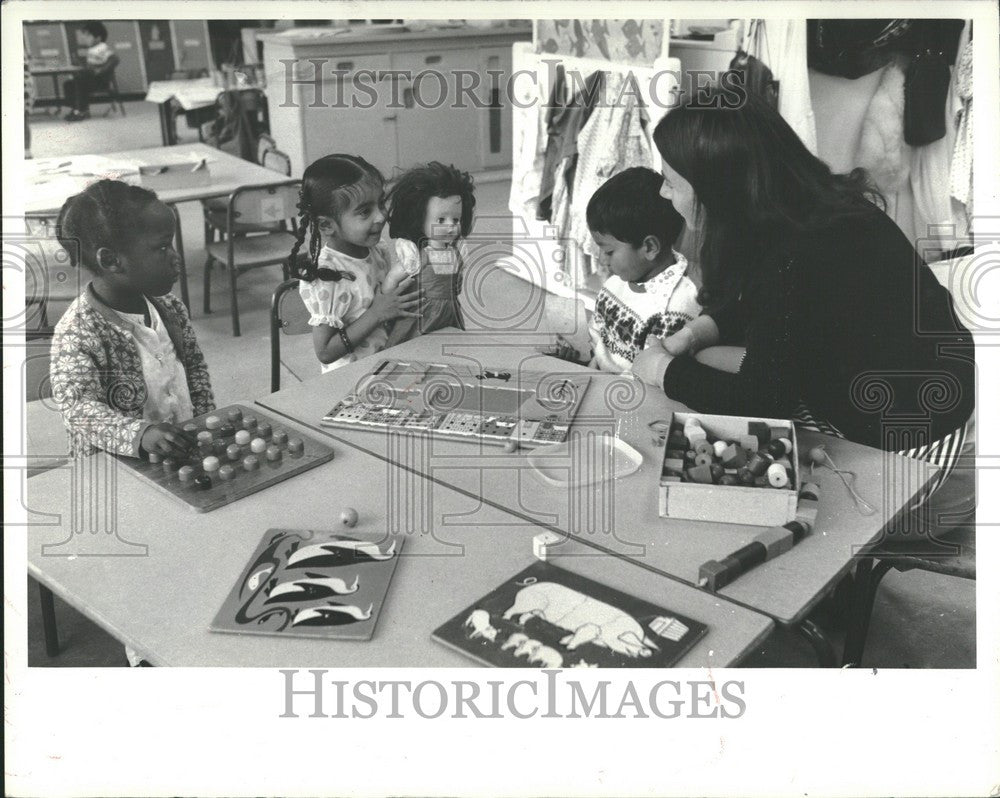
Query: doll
x=430, y=210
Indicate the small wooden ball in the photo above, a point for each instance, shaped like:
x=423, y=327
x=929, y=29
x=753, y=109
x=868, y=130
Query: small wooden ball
x=349, y=516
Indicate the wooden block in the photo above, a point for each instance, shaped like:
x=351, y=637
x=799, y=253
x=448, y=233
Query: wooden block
x=702, y=473
x=777, y=540
x=541, y=542
x=734, y=457
x=761, y=431
x=806, y=515
x=673, y=464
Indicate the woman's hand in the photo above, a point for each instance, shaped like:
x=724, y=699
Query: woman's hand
x=650, y=365
x=402, y=300
x=166, y=439
x=681, y=342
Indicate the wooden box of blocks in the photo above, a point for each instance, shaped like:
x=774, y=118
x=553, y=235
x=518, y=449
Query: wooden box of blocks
x=730, y=470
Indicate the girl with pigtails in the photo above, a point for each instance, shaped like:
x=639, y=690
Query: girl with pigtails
x=341, y=213
x=430, y=210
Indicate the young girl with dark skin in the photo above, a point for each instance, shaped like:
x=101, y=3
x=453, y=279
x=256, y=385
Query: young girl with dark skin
x=126, y=367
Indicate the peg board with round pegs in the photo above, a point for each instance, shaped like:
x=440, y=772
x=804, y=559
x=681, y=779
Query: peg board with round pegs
x=239, y=451
x=458, y=401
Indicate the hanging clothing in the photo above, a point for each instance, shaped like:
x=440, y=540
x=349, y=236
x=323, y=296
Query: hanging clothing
x=614, y=139
x=564, y=121
x=930, y=174
x=528, y=153
x=781, y=44
x=961, y=161
x=881, y=149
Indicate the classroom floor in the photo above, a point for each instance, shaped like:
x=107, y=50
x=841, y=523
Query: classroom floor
x=920, y=619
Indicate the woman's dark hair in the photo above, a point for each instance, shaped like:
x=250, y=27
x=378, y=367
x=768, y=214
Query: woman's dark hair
x=329, y=186
x=629, y=207
x=102, y=215
x=96, y=29
x=409, y=196
x=755, y=183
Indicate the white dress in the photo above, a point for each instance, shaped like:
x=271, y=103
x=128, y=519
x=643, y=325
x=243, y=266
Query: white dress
x=339, y=304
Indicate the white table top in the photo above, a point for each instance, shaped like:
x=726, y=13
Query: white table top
x=165, y=575
x=189, y=94
x=52, y=180
x=622, y=515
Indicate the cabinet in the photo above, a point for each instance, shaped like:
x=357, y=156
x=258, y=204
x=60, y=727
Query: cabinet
x=395, y=98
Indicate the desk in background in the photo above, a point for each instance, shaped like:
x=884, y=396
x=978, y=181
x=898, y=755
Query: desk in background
x=53, y=180
x=190, y=96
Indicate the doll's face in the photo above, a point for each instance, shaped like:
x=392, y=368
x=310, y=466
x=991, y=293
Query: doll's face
x=443, y=220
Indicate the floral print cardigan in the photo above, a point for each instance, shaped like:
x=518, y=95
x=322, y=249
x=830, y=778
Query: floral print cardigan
x=97, y=379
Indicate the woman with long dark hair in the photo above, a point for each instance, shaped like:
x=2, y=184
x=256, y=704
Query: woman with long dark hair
x=845, y=327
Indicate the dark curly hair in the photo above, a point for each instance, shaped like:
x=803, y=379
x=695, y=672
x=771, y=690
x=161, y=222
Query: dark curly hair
x=102, y=215
x=409, y=196
x=329, y=185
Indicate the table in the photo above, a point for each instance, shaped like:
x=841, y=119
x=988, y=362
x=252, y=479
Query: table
x=54, y=72
x=53, y=180
x=191, y=95
x=157, y=582
x=621, y=517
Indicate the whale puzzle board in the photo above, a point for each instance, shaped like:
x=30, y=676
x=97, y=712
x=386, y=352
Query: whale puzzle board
x=233, y=473
x=547, y=617
x=306, y=583
x=463, y=402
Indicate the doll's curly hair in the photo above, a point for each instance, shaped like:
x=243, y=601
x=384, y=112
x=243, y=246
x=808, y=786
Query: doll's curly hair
x=408, y=198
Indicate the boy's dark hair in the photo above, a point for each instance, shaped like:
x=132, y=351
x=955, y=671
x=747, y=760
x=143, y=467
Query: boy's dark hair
x=629, y=207
x=102, y=215
x=96, y=29
x=408, y=198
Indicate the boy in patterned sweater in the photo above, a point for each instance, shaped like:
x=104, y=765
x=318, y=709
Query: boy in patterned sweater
x=648, y=295
x=126, y=367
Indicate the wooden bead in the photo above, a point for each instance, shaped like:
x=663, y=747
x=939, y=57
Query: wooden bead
x=296, y=446
x=251, y=462
x=777, y=476
x=242, y=437
x=703, y=459
x=349, y=516
x=704, y=447
x=235, y=416
x=213, y=422
x=233, y=452
x=227, y=472
x=719, y=448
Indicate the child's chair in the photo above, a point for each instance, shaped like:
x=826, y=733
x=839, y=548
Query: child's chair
x=260, y=206
x=110, y=93
x=288, y=316
x=214, y=209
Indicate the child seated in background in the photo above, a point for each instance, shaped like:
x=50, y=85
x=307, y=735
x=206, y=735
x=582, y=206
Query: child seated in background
x=126, y=367
x=94, y=75
x=341, y=211
x=648, y=295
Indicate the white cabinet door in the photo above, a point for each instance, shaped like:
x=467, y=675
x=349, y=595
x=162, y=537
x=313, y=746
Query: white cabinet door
x=439, y=117
x=352, y=114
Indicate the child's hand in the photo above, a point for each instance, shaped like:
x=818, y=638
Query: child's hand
x=166, y=439
x=681, y=342
x=563, y=350
x=403, y=300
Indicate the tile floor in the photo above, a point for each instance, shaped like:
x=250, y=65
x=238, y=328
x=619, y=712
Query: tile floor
x=920, y=619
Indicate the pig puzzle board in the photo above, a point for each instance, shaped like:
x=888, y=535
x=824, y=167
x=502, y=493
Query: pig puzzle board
x=550, y=618
x=459, y=401
x=304, y=583
x=240, y=451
